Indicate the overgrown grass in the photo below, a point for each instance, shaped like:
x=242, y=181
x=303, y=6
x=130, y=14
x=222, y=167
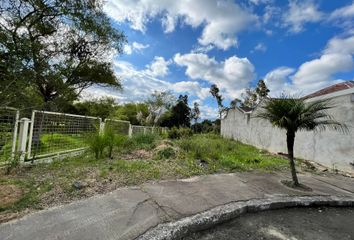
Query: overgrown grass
x=219, y=153
x=50, y=184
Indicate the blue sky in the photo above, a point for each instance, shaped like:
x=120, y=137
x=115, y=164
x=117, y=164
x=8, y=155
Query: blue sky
x=185, y=46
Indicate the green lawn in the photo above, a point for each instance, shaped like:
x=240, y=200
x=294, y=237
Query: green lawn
x=140, y=159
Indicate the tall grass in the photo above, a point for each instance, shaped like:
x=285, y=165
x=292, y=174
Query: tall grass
x=218, y=153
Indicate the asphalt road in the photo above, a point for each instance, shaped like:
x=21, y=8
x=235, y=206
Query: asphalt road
x=284, y=224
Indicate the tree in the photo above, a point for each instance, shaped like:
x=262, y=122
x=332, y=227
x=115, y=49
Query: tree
x=262, y=89
x=57, y=47
x=250, y=98
x=215, y=92
x=181, y=113
x=293, y=114
x=102, y=107
x=236, y=102
x=135, y=113
x=158, y=104
x=195, y=112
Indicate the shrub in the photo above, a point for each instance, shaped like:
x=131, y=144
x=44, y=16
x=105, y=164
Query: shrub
x=177, y=133
x=166, y=153
x=97, y=143
x=141, y=140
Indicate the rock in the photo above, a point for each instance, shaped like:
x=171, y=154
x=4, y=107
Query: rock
x=78, y=185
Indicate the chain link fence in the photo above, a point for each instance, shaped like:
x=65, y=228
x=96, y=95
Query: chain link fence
x=54, y=133
x=9, y=118
x=118, y=126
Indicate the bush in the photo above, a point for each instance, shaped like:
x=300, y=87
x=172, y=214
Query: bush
x=177, y=133
x=166, y=153
x=97, y=143
x=147, y=140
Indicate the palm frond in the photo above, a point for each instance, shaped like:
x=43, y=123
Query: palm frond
x=295, y=114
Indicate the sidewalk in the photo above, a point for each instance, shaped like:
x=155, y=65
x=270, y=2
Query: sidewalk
x=128, y=212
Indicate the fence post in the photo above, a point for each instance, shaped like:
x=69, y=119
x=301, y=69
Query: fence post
x=14, y=136
x=144, y=130
x=102, y=125
x=29, y=148
x=22, y=140
x=130, y=131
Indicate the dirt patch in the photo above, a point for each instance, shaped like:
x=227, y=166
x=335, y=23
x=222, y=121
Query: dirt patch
x=9, y=194
x=138, y=154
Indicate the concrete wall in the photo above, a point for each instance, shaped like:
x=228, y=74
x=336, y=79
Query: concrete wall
x=329, y=148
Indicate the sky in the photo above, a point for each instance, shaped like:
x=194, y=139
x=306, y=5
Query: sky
x=184, y=46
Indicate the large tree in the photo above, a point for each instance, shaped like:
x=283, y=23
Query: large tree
x=181, y=113
x=56, y=48
x=293, y=115
x=195, y=112
x=215, y=92
x=262, y=89
x=158, y=104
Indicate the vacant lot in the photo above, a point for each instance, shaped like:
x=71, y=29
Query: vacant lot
x=137, y=160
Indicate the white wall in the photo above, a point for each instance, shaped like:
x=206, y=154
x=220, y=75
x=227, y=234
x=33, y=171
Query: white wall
x=329, y=148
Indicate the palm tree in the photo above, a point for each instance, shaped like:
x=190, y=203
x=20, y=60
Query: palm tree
x=293, y=114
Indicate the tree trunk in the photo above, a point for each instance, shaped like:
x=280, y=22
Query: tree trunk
x=290, y=139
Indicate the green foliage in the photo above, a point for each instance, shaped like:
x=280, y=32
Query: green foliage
x=215, y=92
x=97, y=143
x=207, y=126
x=219, y=153
x=135, y=113
x=177, y=133
x=166, y=153
x=146, y=141
x=97, y=108
x=293, y=114
x=62, y=50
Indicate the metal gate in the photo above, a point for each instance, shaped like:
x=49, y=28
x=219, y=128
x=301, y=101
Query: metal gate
x=9, y=118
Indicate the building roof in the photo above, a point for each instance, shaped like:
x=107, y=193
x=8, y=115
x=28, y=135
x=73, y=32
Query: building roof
x=331, y=89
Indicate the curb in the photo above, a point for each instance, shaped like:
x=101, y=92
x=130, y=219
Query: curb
x=220, y=214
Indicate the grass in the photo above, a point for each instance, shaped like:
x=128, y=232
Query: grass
x=142, y=158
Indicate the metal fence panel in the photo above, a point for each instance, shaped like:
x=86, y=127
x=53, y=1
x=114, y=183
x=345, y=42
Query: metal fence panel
x=53, y=133
x=9, y=118
x=118, y=126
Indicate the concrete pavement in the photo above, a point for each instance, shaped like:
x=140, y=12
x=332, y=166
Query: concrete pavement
x=128, y=212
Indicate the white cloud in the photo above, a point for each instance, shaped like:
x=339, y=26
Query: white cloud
x=340, y=45
x=134, y=47
x=159, y=67
x=221, y=20
x=192, y=88
x=208, y=112
x=232, y=75
x=344, y=12
x=300, y=13
x=260, y=47
x=258, y=2
x=315, y=74
x=139, y=84
x=277, y=79
x=336, y=58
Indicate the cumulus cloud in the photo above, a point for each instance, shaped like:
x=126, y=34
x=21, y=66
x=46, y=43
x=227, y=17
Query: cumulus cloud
x=299, y=13
x=159, y=67
x=315, y=74
x=221, y=20
x=191, y=88
x=134, y=47
x=336, y=58
x=139, y=84
x=277, y=80
x=343, y=16
x=232, y=75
